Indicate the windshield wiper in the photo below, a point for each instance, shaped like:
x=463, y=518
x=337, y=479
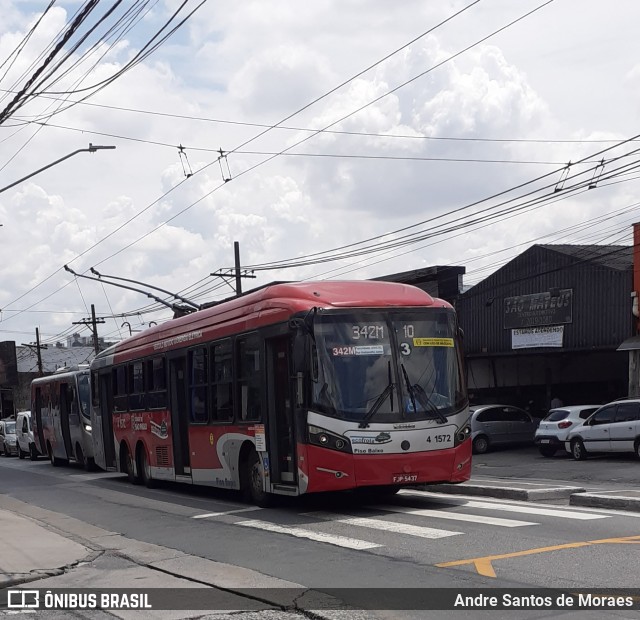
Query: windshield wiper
x=388, y=391
x=416, y=390
x=409, y=388
x=423, y=399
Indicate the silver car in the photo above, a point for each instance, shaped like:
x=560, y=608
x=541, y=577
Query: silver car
x=8, y=439
x=553, y=431
x=614, y=427
x=495, y=425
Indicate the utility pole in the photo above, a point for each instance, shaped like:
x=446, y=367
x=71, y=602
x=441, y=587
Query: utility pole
x=236, y=254
x=235, y=272
x=40, y=371
x=38, y=347
x=93, y=324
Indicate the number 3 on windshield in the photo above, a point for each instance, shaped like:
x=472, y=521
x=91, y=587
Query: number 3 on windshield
x=405, y=349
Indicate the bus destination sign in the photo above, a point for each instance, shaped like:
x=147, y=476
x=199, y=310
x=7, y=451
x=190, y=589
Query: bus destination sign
x=539, y=309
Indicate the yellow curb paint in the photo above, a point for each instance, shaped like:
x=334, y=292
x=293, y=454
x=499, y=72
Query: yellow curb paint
x=484, y=567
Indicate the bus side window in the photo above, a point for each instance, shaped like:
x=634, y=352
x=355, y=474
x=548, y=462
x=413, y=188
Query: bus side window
x=136, y=386
x=198, y=386
x=222, y=381
x=156, y=383
x=249, y=376
x=119, y=383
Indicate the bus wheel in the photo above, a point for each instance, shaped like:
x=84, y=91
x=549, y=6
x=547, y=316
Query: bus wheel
x=33, y=452
x=80, y=457
x=254, y=475
x=54, y=461
x=145, y=468
x=128, y=465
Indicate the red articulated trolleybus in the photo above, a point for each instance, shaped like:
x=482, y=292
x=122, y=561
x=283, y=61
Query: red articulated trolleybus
x=289, y=389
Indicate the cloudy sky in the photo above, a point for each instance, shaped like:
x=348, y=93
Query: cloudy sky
x=358, y=138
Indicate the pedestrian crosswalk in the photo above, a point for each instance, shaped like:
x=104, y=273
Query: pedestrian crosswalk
x=416, y=514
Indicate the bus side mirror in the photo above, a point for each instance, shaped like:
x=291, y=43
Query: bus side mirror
x=300, y=353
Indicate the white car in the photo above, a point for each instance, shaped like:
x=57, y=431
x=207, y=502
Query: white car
x=8, y=444
x=24, y=433
x=552, y=432
x=612, y=428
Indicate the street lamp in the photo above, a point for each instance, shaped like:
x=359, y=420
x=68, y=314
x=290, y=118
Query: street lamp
x=92, y=149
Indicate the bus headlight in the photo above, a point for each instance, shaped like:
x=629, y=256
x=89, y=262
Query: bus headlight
x=87, y=427
x=321, y=437
x=462, y=435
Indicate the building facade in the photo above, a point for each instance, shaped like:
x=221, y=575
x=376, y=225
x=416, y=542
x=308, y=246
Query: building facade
x=548, y=325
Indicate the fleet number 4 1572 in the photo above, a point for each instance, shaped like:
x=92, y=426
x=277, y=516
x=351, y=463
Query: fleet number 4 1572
x=439, y=438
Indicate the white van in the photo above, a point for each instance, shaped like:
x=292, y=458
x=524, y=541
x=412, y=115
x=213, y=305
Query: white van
x=24, y=433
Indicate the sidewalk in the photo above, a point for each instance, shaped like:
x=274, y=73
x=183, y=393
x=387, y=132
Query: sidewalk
x=45, y=550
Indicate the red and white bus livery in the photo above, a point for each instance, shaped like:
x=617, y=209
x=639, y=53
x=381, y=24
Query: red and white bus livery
x=61, y=416
x=289, y=389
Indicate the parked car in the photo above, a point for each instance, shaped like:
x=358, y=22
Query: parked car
x=553, y=430
x=614, y=427
x=8, y=441
x=24, y=433
x=493, y=425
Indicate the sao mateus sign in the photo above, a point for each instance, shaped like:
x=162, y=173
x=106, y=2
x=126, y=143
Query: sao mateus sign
x=549, y=308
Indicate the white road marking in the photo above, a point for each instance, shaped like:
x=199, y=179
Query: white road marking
x=528, y=509
x=455, y=516
x=340, y=541
x=227, y=512
x=97, y=476
x=385, y=526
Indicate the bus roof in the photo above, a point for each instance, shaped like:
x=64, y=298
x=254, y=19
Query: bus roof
x=274, y=303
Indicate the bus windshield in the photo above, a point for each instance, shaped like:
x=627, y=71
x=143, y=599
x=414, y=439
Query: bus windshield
x=388, y=366
x=84, y=396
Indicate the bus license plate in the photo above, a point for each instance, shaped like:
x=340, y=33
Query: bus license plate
x=405, y=478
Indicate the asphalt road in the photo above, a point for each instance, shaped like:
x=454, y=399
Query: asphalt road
x=413, y=540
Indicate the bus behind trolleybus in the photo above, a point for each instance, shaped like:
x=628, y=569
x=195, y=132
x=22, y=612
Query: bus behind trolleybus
x=292, y=388
x=61, y=416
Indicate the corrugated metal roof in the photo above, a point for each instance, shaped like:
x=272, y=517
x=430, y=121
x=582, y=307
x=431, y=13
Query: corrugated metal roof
x=52, y=358
x=612, y=256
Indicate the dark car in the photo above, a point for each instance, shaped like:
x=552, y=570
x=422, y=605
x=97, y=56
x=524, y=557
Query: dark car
x=496, y=425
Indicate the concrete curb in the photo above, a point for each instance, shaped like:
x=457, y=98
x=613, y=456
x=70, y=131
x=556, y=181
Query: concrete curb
x=595, y=500
x=500, y=492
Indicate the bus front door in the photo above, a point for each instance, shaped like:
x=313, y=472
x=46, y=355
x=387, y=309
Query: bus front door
x=179, y=430
x=40, y=444
x=280, y=412
x=66, y=395
x=107, y=445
